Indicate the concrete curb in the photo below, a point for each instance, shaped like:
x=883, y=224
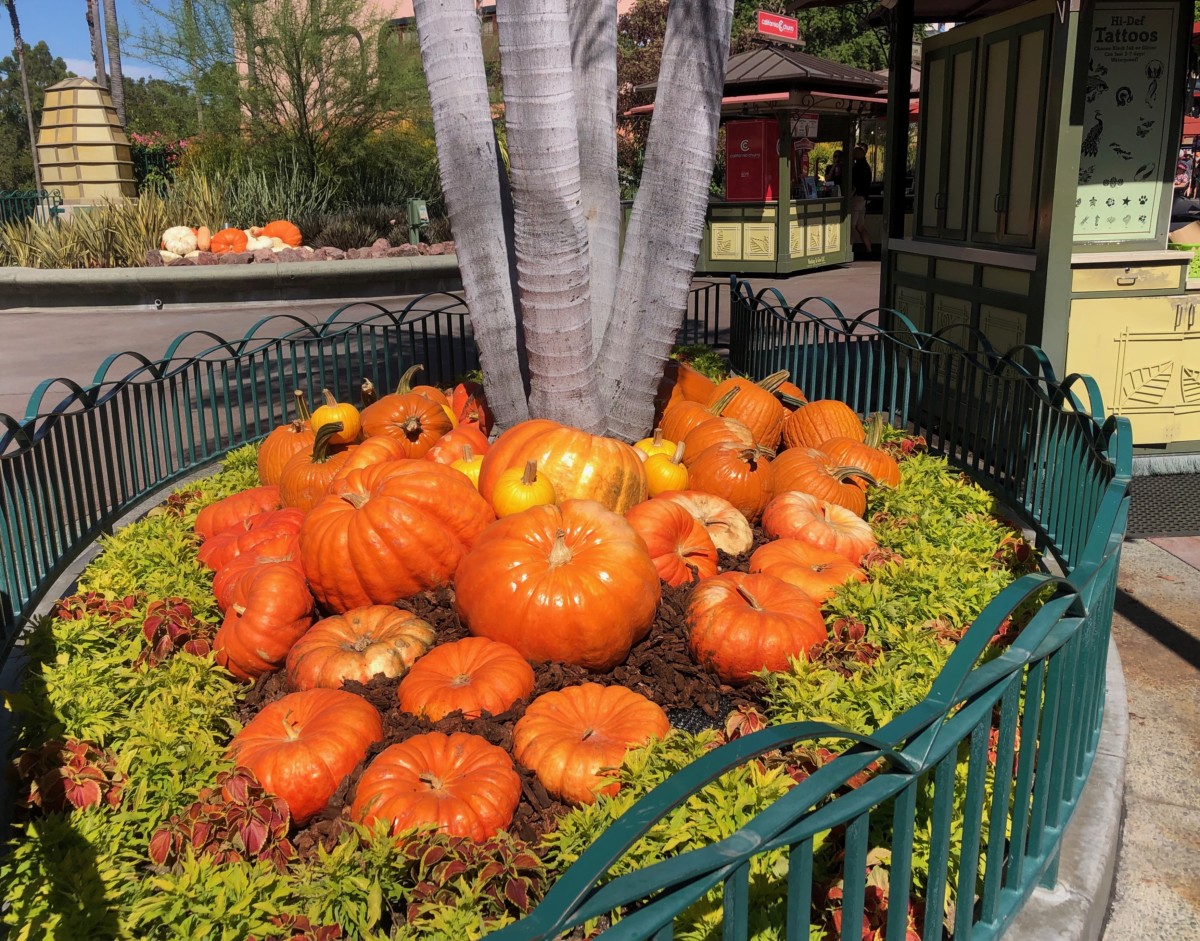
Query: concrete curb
x=30, y=289
x=1077, y=907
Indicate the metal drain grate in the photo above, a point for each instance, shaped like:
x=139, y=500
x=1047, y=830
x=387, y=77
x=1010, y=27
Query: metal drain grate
x=1164, y=505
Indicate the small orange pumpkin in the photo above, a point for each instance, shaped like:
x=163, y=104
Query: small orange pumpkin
x=813, y=424
x=726, y=524
x=284, y=442
x=866, y=454
x=472, y=676
x=715, y=431
x=817, y=572
x=228, y=240
x=364, y=642
x=679, y=545
x=755, y=406
x=743, y=476
x=341, y=412
x=285, y=231
x=811, y=470
x=795, y=515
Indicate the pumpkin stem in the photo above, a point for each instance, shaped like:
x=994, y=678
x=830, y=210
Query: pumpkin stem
x=238, y=609
x=875, y=426
x=677, y=458
x=321, y=446
x=749, y=598
x=361, y=643
x=559, y=553
x=430, y=780
x=291, y=727
x=467, y=453
x=791, y=401
x=773, y=381
x=329, y=399
x=356, y=500
x=368, y=393
x=530, y=475
x=845, y=473
x=658, y=437
x=302, y=408
x=411, y=427
x=405, y=385
x=722, y=403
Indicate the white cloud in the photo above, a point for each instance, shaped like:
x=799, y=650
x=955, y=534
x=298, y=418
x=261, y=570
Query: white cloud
x=87, y=69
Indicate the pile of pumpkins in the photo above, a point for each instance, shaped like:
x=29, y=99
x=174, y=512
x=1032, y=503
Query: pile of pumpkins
x=556, y=543
x=183, y=241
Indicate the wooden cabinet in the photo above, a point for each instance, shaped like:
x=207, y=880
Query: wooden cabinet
x=1145, y=354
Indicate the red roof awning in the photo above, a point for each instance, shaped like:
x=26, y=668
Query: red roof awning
x=1191, y=127
x=732, y=100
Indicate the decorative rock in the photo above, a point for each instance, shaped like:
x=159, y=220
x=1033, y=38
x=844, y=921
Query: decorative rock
x=236, y=258
x=438, y=249
x=381, y=243
x=289, y=255
x=353, y=254
x=168, y=257
x=397, y=252
x=207, y=258
x=181, y=262
x=194, y=253
x=376, y=252
x=407, y=251
x=262, y=255
x=154, y=259
x=450, y=250
x=329, y=253
x=422, y=249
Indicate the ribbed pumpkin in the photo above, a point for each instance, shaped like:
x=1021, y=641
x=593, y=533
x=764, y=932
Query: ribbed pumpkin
x=433, y=393
x=302, y=746
x=228, y=240
x=413, y=419
x=802, y=516
x=791, y=395
x=222, y=548
x=813, y=424
x=306, y=477
x=284, y=442
x=358, y=645
x=679, y=545
x=743, y=476
x=377, y=450
x=755, y=406
x=715, y=431
x=286, y=232
x=665, y=473
x=810, y=470
x=681, y=415
x=449, y=448
x=389, y=531
x=345, y=414
x=574, y=739
x=233, y=511
x=472, y=676
x=273, y=549
x=866, y=454
x=581, y=466
x=741, y=624
x=461, y=785
x=726, y=524
x=268, y=613
x=571, y=583
x=816, y=572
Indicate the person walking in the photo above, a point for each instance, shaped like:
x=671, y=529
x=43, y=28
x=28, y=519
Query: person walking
x=860, y=181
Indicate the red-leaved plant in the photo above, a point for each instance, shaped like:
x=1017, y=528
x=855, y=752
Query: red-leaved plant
x=62, y=775
x=78, y=607
x=299, y=928
x=504, y=872
x=234, y=821
x=171, y=627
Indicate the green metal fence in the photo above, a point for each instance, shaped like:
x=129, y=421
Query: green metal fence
x=69, y=470
x=39, y=205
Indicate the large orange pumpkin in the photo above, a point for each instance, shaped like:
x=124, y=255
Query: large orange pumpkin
x=811, y=470
x=358, y=645
x=307, y=476
x=741, y=624
x=849, y=451
x=222, y=548
x=743, y=476
x=228, y=240
x=284, y=442
x=715, y=431
x=472, y=676
x=795, y=515
x=755, y=405
x=270, y=610
x=275, y=549
x=235, y=510
x=575, y=738
x=570, y=583
x=726, y=524
x=413, y=419
x=389, y=531
x=449, y=448
x=581, y=466
x=679, y=544
x=286, y=232
x=302, y=746
x=378, y=450
x=816, y=572
x=813, y=424
x=460, y=785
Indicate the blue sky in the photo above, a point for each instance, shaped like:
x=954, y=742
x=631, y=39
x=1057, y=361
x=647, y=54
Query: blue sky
x=63, y=25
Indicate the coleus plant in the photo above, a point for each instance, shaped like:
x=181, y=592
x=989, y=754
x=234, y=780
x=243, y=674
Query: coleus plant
x=170, y=627
x=72, y=773
x=299, y=928
x=97, y=604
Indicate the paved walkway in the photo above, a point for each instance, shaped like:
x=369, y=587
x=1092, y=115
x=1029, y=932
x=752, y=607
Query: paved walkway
x=1156, y=627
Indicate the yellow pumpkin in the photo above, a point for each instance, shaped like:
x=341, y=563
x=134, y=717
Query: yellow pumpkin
x=469, y=464
x=335, y=411
x=518, y=490
x=656, y=445
x=666, y=473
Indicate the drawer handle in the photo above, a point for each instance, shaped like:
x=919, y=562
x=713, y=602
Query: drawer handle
x=1127, y=281
x=1178, y=315
x=1191, y=315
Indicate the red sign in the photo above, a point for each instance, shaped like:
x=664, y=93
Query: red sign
x=777, y=26
x=752, y=160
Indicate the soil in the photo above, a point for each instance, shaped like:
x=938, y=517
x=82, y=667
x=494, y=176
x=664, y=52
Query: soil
x=660, y=668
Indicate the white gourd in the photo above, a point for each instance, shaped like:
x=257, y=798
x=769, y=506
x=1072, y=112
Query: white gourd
x=179, y=239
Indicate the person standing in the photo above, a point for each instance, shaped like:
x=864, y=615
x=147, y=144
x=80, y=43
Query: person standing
x=860, y=181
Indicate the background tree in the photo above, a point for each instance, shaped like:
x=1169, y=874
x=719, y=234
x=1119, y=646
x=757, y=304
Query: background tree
x=19, y=51
x=42, y=70
x=96, y=33
x=158, y=105
x=532, y=284
x=116, y=75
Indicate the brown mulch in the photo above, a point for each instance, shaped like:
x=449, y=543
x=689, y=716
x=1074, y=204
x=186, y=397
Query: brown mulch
x=660, y=668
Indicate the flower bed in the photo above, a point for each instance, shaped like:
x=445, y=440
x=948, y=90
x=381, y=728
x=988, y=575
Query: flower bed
x=131, y=830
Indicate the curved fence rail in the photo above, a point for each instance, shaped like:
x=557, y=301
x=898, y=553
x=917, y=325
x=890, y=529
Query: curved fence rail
x=69, y=470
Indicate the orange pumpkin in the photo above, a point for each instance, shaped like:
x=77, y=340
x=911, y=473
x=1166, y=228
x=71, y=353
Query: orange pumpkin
x=791, y=395
x=739, y=625
x=469, y=405
x=813, y=424
x=343, y=413
x=679, y=545
x=228, y=240
x=285, y=231
x=460, y=785
x=274, y=548
x=306, y=477
x=389, y=531
x=573, y=739
x=681, y=416
x=222, y=548
x=377, y=450
x=810, y=470
x=234, y=510
x=866, y=454
x=726, y=525
x=664, y=473
x=269, y=612
x=285, y=441
x=302, y=746
x=743, y=476
x=715, y=431
x=571, y=583
x=817, y=572
x=472, y=676
x=433, y=393
x=802, y=516
x=755, y=405
x=452, y=445
x=358, y=645
x=413, y=419
x=581, y=466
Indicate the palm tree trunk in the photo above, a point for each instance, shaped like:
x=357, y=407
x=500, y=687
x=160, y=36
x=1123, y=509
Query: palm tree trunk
x=452, y=55
x=93, y=22
x=112, y=36
x=662, y=240
x=20, y=45
x=550, y=232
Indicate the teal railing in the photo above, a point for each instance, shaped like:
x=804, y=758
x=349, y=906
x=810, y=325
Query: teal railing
x=40, y=205
x=69, y=471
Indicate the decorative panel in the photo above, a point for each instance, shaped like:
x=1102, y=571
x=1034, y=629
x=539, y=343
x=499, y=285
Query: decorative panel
x=726, y=241
x=758, y=241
